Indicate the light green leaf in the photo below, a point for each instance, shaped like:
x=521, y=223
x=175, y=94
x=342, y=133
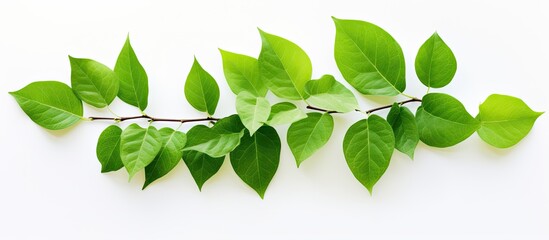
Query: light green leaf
x=168, y=157
x=242, y=74
x=253, y=111
x=217, y=141
x=256, y=159
x=134, y=83
x=308, y=135
x=284, y=113
x=404, y=126
x=369, y=58
x=138, y=147
x=202, y=166
x=505, y=120
x=108, y=149
x=284, y=66
x=50, y=104
x=93, y=82
x=201, y=90
x=435, y=63
x=442, y=121
x=329, y=94
x=368, y=146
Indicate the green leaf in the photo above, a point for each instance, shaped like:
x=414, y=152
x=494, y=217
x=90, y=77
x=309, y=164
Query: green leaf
x=442, y=121
x=435, y=63
x=284, y=66
x=404, y=126
x=329, y=94
x=93, y=82
x=50, y=104
x=168, y=157
x=253, y=111
x=242, y=74
x=368, y=146
x=505, y=120
x=284, y=113
x=202, y=166
x=256, y=159
x=369, y=58
x=134, y=83
x=201, y=90
x=217, y=141
x=138, y=147
x=308, y=135
x=108, y=149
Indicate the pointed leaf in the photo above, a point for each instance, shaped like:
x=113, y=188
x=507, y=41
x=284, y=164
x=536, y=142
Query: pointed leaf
x=329, y=94
x=93, y=82
x=435, y=63
x=284, y=113
x=202, y=166
x=201, y=90
x=108, y=149
x=308, y=135
x=242, y=74
x=404, y=126
x=253, y=111
x=134, y=83
x=138, y=147
x=168, y=157
x=217, y=141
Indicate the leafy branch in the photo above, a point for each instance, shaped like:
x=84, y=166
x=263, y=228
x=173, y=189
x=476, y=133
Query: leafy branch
x=152, y=119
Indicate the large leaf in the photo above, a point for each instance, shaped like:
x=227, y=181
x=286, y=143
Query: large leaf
x=284, y=113
x=256, y=159
x=368, y=146
x=217, y=141
x=435, y=63
x=201, y=90
x=108, y=149
x=308, y=135
x=404, y=126
x=242, y=74
x=93, y=82
x=284, y=66
x=329, y=94
x=202, y=166
x=253, y=111
x=369, y=58
x=505, y=120
x=138, y=147
x=168, y=157
x=50, y=104
x=134, y=83
x=442, y=121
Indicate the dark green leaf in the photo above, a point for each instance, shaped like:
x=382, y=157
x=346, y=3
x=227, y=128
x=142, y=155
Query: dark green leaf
x=435, y=63
x=168, y=157
x=404, y=126
x=217, y=141
x=134, y=83
x=138, y=147
x=108, y=149
x=202, y=166
x=308, y=135
x=93, y=82
x=242, y=74
x=201, y=90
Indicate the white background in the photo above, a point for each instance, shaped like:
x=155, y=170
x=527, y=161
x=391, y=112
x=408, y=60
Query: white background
x=50, y=183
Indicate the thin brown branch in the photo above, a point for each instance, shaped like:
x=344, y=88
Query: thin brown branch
x=389, y=106
x=152, y=119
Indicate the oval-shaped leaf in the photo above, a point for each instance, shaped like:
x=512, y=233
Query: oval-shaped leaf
x=242, y=74
x=329, y=94
x=368, y=146
x=201, y=89
x=308, y=135
x=369, y=58
x=442, y=121
x=253, y=111
x=168, y=157
x=50, y=104
x=202, y=166
x=256, y=159
x=138, y=147
x=284, y=66
x=505, y=120
x=134, y=83
x=108, y=149
x=435, y=63
x=217, y=141
x=284, y=113
x=93, y=82
x=404, y=126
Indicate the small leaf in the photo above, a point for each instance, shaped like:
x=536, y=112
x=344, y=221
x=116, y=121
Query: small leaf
x=201, y=90
x=256, y=159
x=50, y=104
x=284, y=66
x=108, y=149
x=217, y=141
x=442, y=121
x=93, y=82
x=404, y=126
x=242, y=74
x=134, y=83
x=168, y=157
x=368, y=146
x=202, y=166
x=505, y=120
x=435, y=63
x=369, y=58
x=308, y=135
x=329, y=94
x=253, y=111
x=138, y=147
x=284, y=113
